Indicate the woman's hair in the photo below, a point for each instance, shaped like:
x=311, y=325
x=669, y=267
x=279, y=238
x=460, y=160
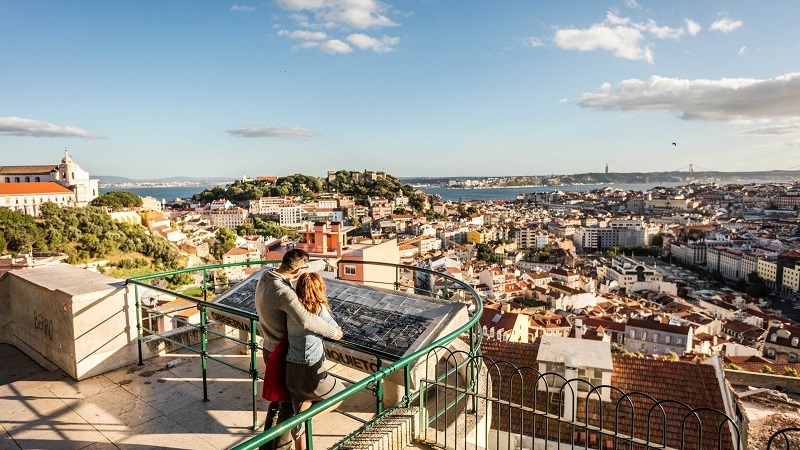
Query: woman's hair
x=311, y=292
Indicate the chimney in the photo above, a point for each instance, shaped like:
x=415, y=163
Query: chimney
x=578, y=328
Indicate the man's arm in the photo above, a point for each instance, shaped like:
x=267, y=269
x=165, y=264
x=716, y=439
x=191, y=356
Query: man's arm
x=310, y=322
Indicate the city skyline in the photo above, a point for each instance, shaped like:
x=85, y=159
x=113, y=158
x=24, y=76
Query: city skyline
x=415, y=88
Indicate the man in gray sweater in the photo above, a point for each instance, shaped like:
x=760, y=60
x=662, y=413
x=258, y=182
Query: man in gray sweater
x=275, y=301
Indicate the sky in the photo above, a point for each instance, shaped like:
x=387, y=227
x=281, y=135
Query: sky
x=153, y=89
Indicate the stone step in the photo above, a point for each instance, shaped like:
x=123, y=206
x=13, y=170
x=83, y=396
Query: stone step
x=394, y=432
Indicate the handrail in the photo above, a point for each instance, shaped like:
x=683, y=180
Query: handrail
x=373, y=380
x=376, y=377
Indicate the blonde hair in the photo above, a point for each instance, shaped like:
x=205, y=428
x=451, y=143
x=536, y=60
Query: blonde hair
x=311, y=292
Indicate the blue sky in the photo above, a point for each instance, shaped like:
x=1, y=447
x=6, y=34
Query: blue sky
x=151, y=89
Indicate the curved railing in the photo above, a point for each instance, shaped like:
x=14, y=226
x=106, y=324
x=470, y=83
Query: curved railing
x=372, y=382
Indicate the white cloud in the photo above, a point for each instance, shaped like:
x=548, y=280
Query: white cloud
x=364, y=42
x=742, y=51
x=725, y=99
x=622, y=36
x=692, y=27
x=725, y=25
x=304, y=35
x=624, y=42
x=663, y=32
x=333, y=46
x=633, y=5
x=15, y=126
x=534, y=42
x=339, y=18
x=242, y=8
x=791, y=129
x=273, y=132
x=358, y=14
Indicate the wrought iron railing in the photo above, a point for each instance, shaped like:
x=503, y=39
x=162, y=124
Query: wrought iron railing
x=468, y=400
x=373, y=383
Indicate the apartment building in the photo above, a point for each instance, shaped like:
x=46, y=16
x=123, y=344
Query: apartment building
x=656, y=338
x=692, y=253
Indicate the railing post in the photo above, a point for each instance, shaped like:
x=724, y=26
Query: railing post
x=379, y=390
x=309, y=437
x=396, y=278
x=204, y=350
x=138, y=321
x=407, y=376
x=205, y=286
x=445, y=288
x=254, y=371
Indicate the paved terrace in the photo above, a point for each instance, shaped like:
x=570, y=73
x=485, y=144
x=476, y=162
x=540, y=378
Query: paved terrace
x=154, y=406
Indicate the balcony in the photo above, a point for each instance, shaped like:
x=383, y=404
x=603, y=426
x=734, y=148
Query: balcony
x=196, y=386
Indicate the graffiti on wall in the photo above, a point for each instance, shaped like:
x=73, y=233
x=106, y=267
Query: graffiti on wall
x=43, y=324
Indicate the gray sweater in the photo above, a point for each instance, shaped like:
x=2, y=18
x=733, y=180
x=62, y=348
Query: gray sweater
x=275, y=301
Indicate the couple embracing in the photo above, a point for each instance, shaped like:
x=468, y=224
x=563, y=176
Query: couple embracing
x=297, y=318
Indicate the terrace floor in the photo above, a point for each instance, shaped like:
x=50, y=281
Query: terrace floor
x=154, y=406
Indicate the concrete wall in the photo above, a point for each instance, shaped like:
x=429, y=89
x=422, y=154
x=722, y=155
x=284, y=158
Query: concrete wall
x=70, y=318
x=763, y=380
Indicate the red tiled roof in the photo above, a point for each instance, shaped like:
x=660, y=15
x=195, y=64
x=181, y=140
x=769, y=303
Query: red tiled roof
x=47, y=187
x=692, y=384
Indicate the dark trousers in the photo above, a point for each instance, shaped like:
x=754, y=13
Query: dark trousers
x=278, y=412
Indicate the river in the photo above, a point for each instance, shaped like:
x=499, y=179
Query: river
x=451, y=194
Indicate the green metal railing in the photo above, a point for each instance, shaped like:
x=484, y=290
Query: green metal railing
x=372, y=383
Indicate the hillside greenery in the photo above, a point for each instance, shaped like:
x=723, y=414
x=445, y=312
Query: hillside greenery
x=117, y=200
x=310, y=187
x=86, y=234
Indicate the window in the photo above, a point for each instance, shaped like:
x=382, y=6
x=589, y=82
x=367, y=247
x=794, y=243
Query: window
x=666, y=339
x=770, y=352
x=349, y=270
x=632, y=334
x=27, y=179
x=679, y=341
x=655, y=337
x=655, y=349
x=38, y=180
x=16, y=179
x=8, y=179
x=774, y=337
x=794, y=341
x=644, y=335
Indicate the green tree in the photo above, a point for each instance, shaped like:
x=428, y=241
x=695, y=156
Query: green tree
x=485, y=253
x=790, y=372
x=766, y=369
x=117, y=200
x=657, y=240
x=543, y=256
x=226, y=240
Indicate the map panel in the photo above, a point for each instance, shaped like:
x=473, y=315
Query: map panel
x=384, y=321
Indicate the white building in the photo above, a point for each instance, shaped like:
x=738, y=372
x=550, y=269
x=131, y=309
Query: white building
x=627, y=271
x=68, y=175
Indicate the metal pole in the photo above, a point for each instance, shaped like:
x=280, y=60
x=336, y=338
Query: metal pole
x=254, y=371
x=138, y=322
x=396, y=278
x=379, y=390
x=204, y=349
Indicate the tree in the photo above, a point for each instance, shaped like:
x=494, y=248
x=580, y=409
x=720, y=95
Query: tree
x=117, y=200
x=543, y=256
x=485, y=253
x=766, y=369
x=657, y=240
x=226, y=240
x=790, y=372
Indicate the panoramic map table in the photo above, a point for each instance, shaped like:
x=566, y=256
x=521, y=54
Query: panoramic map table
x=375, y=321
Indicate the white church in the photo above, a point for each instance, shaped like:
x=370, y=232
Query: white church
x=26, y=188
